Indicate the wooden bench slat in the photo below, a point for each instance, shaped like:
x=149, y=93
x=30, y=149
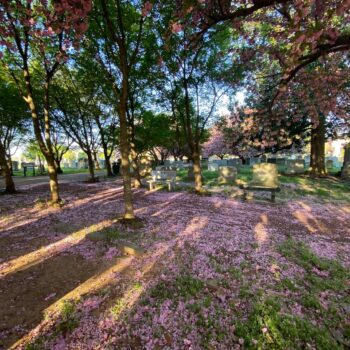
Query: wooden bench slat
x=259, y=188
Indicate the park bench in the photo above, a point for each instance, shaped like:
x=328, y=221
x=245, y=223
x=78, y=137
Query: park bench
x=265, y=178
x=27, y=166
x=163, y=177
x=257, y=187
x=165, y=168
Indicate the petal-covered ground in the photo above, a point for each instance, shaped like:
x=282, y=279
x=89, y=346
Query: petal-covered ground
x=217, y=273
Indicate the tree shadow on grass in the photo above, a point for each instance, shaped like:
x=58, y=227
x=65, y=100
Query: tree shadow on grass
x=49, y=226
x=33, y=281
x=165, y=237
x=26, y=294
x=176, y=222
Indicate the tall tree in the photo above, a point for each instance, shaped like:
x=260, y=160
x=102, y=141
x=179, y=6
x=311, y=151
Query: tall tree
x=296, y=33
x=13, y=126
x=103, y=111
x=75, y=111
x=193, y=68
x=36, y=37
x=120, y=29
x=312, y=107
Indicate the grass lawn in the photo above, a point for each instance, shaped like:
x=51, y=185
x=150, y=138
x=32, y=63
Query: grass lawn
x=330, y=188
x=74, y=171
x=65, y=171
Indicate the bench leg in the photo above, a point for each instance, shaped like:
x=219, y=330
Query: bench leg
x=273, y=197
x=150, y=186
x=244, y=195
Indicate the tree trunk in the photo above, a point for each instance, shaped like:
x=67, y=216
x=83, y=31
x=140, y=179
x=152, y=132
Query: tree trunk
x=125, y=163
x=124, y=149
x=108, y=165
x=45, y=148
x=58, y=167
x=346, y=155
x=123, y=127
x=125, y=146
x=40, y=170
x=163, y=157
x=107, y=159
x=97, y=163
x=9, y=162
x=197, y=170
x=194, y=147
x=104, y=145
x=91, y=166
x=51, y=169
x=9, y=183
x=318, y=139
x=122, y=105
x=135, y=166
x=155, y=157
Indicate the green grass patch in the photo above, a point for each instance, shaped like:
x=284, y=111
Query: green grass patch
x=334, y=274
x=236, y=273
x=68, y=318
x=287, y=284
x=245, y=173
x=112, y=234
x=290, y=179
x=34, y=346
x=122, y=303
x=66, y=171
x=184, y=286
x=323, y=278
x=268, y=327
x=321, y=188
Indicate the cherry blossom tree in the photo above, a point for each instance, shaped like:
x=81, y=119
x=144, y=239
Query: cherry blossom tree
x=217, y=143
x=311, y=28
x=312, y=108
x=36, y=38
x=298, y=35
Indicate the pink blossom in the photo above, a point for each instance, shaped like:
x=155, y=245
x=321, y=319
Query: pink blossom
x=147, y=7
x=176, y=27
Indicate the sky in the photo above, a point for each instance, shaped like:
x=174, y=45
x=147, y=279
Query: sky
x=223, y=109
